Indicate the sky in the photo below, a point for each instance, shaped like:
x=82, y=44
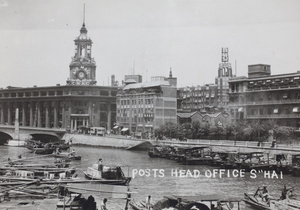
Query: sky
x=146, y=37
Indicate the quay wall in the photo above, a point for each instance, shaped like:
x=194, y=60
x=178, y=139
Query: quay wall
x=216, y=145
x=103, y=141
x=239, y=146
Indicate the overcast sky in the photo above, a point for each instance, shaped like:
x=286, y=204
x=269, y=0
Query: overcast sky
x=146, y=37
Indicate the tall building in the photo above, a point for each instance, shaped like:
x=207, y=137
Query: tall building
x=224, y=74
x=78, y=103
x=143, y=107
x=198, y=98
x=204, y=98
x=262, y=96
x=82, y=66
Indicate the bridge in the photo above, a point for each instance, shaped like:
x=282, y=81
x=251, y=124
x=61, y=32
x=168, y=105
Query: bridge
x=43, y=134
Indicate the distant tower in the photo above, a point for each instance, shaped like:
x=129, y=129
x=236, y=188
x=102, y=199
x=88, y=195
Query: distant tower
x=224, y=74
x=172, y=80
x=225, y=69
x=82, y=66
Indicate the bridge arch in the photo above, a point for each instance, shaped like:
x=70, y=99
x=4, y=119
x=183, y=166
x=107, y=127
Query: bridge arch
x=4, y=137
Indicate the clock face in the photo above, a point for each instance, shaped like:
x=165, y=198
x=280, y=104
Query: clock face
x=81, y=75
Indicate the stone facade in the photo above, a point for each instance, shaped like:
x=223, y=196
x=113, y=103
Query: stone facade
x=143, y=107
x=79, y=103
x=268, y=97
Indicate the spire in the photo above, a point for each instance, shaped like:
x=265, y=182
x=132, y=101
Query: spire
x=83, y=15
x=83, y=29
x=170, y=74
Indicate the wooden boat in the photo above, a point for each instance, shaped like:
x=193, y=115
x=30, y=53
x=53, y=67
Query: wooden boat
x=281, y=163
x=255, y=203
x=224, y=159
x=178, y=153
x=139, y=205
x=107, y=174
x=61, y=145
x=67, y=155
x=272, y=204
x=296, y=165
x=197, y=156
x=42, y=174
x=202, y=202
x=17, y=165
x=38, y=147
x=162, y=151
x=43, y=151
x=154, y=152
x=73, y=201
x=15, y=143
x=288, y=204
x=253, y=160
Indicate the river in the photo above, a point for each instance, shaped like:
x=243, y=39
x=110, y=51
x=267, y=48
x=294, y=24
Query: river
x=157, y=177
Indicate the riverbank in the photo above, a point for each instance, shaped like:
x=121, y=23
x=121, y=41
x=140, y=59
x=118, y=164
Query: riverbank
x=125, y=142
x=115, y=141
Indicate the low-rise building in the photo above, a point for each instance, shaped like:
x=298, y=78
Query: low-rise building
x=143, y=107
x=78, y=103
x=262, y=96
x=211, y=119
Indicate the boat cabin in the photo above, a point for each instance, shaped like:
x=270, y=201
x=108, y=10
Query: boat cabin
x=105, y=172
x=253, y=157
x=203, y=202
x=296, y=165
x=197, y=151
x=197, y=156
x=154, y=151
x=20, y=174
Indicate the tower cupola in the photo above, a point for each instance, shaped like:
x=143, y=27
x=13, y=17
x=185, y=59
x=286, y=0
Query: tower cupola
x=83, y=65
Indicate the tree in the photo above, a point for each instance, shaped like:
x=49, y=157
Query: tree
x=283, y=132
x=217, y=132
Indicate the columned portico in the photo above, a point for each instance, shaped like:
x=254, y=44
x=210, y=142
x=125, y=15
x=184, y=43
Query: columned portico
x=108, y=116
x=8, y=114
x=24, y=113
x=79, y=120
x=2, y=113
x=31, y=105
x=55, y=119
x=47, y=120
x=39, y=119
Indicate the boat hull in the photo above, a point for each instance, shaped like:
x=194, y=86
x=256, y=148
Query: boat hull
x=250, y=200
x=43, y=151
x=67, y=156
x=15, y=143
x=108, y=181
x=198, y=161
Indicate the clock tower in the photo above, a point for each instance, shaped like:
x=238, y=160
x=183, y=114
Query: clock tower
x=224, y=75
x=82, y=66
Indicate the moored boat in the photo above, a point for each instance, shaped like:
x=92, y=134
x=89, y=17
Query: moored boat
x=296, y=165
x=197, y=156
x=262, y=200
x=15, y=143
x=256, y=203
x=67, y=155
x=107, y=174
x=201, y=202
x=253, y=160
x=154, y=151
